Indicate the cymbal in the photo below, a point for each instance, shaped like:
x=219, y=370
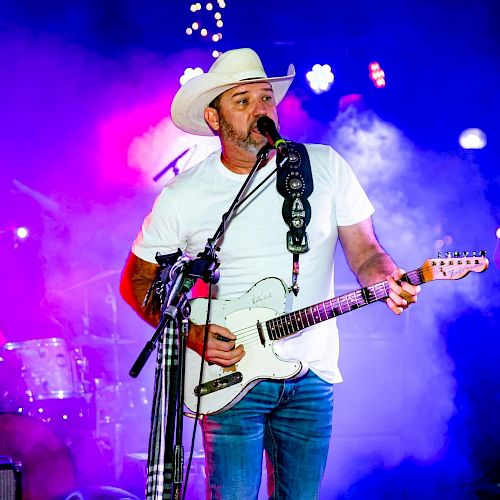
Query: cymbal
x=92, y=340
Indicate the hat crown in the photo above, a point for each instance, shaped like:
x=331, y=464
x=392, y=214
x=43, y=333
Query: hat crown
x=234, y=67
x=239, y=64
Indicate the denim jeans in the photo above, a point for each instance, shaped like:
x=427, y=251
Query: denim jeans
x=291, y=420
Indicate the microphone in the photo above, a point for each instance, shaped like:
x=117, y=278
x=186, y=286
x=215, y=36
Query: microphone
x=267, y=128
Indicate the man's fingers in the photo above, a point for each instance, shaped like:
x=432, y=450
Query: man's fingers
x=395, y=308
x=401, y=293
x=225, y=358
x=221, y=333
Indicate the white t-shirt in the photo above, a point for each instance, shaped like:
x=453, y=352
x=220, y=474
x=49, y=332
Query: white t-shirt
x=190, y=208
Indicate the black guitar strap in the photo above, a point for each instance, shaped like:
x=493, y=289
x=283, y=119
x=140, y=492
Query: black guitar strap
x=294, y=182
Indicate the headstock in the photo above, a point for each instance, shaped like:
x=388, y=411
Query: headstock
x=454, y=266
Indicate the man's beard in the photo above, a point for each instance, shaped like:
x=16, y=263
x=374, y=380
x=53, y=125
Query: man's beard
x=244, y=141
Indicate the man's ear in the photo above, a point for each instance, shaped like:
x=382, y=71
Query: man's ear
x=212, y=118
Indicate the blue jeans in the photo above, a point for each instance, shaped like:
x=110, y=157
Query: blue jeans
x=291, y=420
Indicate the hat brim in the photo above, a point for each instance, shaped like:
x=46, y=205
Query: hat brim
x=188, y=106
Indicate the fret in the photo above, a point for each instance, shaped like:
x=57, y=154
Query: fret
x=330, y=311
x=301, y=316
x=420, y=275
x=380, y=291
x=277, y=333
x=336, y=306
x=345, y=300
x=340, y=305
x=325, y=311
x=359, y=299
x=306, y=312
x=283, y=325
x=301, y=319
x=274, y=328
x=271, y=329
x=351, y=299
x=293, y=317
x=368, y=294
x=279, y=328
x=316, y=315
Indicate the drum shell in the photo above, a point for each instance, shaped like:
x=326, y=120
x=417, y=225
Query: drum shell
x=43, y=369
x=48, y=470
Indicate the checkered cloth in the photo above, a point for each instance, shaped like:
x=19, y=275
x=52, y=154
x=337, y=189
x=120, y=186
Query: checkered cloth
x=160, y=453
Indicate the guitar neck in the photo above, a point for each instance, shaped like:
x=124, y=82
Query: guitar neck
x=293, y=322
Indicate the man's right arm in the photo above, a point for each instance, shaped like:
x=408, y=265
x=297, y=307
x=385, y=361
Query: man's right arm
x=137, y=276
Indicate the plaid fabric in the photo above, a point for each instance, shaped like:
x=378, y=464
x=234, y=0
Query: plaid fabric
x=160, y=455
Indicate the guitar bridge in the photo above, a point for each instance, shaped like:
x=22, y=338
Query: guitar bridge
x=218, y=384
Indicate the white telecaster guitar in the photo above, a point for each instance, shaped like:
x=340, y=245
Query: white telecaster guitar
x=257, y=319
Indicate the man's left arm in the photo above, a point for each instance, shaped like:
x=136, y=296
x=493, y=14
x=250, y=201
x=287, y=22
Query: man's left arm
x=371, y=264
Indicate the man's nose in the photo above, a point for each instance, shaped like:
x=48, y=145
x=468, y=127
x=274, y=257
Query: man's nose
x=260, y=109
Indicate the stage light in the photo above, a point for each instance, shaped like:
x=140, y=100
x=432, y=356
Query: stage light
x=472, y=138
x=498, y=233
x=190, y=73
x=377, y=74
x=216, y=54
x=320, y=78
x=22, y=232
x=208, y=22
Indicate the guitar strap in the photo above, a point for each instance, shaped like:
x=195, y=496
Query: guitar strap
x=294, y=182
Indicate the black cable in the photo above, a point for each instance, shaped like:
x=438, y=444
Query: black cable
x=198, y=400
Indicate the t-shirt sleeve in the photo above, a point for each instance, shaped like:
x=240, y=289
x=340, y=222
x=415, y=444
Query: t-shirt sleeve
x=351, y=203
x=160, y=230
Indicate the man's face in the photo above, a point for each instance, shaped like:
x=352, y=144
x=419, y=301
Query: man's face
x=239, y=109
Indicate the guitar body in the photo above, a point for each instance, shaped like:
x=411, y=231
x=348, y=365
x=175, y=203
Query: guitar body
x=223, y=387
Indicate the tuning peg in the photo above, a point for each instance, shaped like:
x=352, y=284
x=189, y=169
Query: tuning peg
x=448, y=255
x=482, y=253
x=473, y=254
x=456, y=254
x=466, y=254
x=439, y=255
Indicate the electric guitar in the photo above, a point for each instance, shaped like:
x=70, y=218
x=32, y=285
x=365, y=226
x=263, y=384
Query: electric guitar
x=257, y=319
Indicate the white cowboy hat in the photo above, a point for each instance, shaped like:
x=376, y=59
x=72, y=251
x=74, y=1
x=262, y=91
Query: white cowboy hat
x=233, y=68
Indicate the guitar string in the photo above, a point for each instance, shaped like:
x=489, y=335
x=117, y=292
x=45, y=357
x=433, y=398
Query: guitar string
x=250, y=331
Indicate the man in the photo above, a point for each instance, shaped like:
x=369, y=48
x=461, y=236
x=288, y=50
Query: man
x=291, y=419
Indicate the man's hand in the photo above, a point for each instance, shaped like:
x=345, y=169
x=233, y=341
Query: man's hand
x=401, y=294
x=220, y=344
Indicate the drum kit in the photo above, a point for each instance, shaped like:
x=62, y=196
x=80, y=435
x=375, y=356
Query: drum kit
x=57, y=412
x=69, y=415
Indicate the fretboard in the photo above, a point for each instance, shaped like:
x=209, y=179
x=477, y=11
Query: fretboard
x=293, y=322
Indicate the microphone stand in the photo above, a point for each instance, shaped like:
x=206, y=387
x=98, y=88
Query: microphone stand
x=183, y=274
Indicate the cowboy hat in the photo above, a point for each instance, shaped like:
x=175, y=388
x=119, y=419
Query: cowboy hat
x=232, y=68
